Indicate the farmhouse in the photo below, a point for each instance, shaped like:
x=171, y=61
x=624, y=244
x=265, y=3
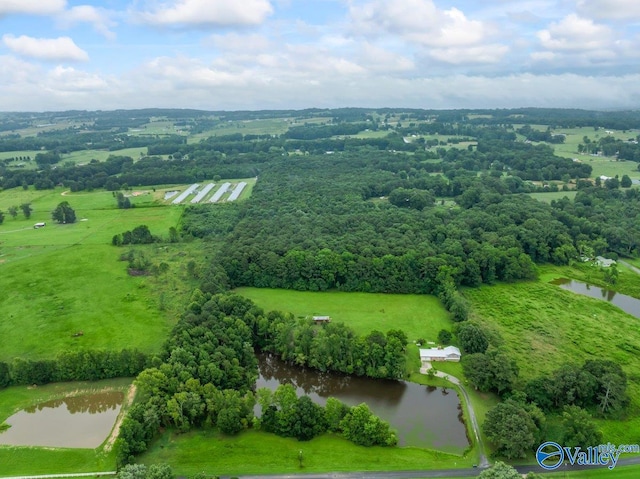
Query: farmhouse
x=450, y=353
x=321, y=319
x=39, y=225
x=604, y=262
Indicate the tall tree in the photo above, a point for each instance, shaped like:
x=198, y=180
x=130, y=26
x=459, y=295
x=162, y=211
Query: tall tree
x=26, y=210
x=63, y=213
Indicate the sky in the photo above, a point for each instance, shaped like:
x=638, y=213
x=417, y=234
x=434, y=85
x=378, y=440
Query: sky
x=292, y=54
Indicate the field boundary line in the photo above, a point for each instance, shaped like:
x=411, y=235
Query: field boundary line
x=53, y=476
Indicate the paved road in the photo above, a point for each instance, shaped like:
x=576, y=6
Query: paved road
x=484, y=462
x=630, y=266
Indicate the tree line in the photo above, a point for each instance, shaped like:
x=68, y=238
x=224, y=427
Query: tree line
x=206, y=374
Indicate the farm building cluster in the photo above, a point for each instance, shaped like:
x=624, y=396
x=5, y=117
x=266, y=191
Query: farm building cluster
x=201, y=193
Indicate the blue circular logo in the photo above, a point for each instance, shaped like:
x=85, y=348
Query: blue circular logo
x=550, y=455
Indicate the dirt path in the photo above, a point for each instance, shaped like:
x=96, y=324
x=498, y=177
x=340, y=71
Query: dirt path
x=128, y=400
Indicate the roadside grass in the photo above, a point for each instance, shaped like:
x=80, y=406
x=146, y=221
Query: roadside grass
x=20, y=460
x=419, y=316
x=543, y=326
x=620, y=472
x=257, y=452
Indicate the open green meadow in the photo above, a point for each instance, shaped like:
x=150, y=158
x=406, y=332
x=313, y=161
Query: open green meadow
x=553, y=195
x=85, y=156
x=420, y=316
x=544, y=326
x=44, y=460
x=257, y=452
x=63, y=279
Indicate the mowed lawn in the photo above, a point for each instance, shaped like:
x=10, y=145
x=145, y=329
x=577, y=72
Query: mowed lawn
x=257, y=452
x=64, y=279
x=420, y=316
x=544, y=326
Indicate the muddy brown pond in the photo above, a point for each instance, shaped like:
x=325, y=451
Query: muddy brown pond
x=78, y=422
x=423, y=416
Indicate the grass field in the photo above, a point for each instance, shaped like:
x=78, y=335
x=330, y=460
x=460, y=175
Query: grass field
x=256, y=452
x=41, y=460
x=62, y=279
x=553, y=195
x=544, y=326
x=420, y=316
x=85, y=156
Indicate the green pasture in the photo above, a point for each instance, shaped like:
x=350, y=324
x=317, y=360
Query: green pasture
x=53, y=294
x=85, y=156
x=271, y=126
x=62, y=279
x=16, y=460
x=420, y=316
x=257, y=452
x=544, y=326
x=553, y=195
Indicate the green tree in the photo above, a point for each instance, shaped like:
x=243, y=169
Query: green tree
x=444, y=336
x=309, y=420
x=471, y=337
x=511, y=429
x=64, y=214
x=365, y=429
x=13, y=211
x=160, y=471
x=578, y=428
x=500, y=470
x=626, y=182
x=133, y=471
x=334, y=412
x=1, y=217
x=26, y=210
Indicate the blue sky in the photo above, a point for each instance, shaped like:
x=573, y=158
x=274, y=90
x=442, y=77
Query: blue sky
x=259, y=54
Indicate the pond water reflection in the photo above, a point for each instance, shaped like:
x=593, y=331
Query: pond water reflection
x=423, y=416
x=626, y=303
x=77, y=422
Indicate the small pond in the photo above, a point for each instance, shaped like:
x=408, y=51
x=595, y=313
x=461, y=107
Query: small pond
x=423, y=416
x=78, y=422
x=626, y=303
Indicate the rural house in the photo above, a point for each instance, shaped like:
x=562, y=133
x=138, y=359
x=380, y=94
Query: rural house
x=450, y=353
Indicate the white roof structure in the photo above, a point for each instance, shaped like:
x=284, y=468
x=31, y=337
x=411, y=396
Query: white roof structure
x=450, y=353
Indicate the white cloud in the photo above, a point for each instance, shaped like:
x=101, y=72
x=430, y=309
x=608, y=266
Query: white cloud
x=475, y=54
x=72, y=80
x=98, y=17
x=52, y=49
x=574, y=33
x=377, y=59
x=235, y=42
x=418, y=21
x=207, y=12
x=32, y=7
x=610, y=9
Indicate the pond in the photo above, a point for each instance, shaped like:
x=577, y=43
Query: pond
x=626, y=303
x=76, y=422
x=423, y=416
